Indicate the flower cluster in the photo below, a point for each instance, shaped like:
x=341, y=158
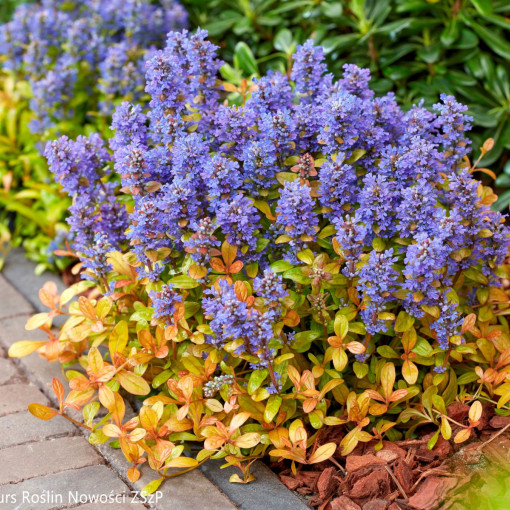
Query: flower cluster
x=363, y=168
x=270, y=240
x=81, y=56
x=98, y=220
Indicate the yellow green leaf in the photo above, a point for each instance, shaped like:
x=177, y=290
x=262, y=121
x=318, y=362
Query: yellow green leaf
x=118, y=337
x=36, y=321
x=134, y=384
x=24, y=348
x=322, y=453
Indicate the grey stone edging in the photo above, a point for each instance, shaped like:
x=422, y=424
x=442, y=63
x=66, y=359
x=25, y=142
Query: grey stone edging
x=266, y=493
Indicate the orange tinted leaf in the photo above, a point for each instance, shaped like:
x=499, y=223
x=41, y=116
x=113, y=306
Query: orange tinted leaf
x=309, y=405
x=238, y=420
x=462, y=435
x=214, y=442
x=175, y=425
x=146, y=339
x=48, y=294
x=137, y=434
x=106, y=397
x=182, y=412
x=118, y=408
x=355, y=347
x=468, y=323
x=487, y=171
x=86, y=308
x=398, y=394
x=353, y=295
x=58, y=388
x=277, y=436
x=105, y=374
x=241, y=290
x=296, y=455
x=133, y=474
x=42, y=412
x=197, y=272
x=229, y=87
x=186, y=386
x=112, y=430
x=235, y=267
x=294, y=375
x=375, y=395
x=291, y=319
x=378, y=409
x=248, y=440
x=76, y=399
x=228, y=252
x=217, y=265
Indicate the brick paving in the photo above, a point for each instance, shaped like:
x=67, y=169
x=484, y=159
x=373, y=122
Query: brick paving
x=50, y=464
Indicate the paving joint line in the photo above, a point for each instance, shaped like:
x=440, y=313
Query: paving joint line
x=50, y=474
x=62, y=435
x=16, y=315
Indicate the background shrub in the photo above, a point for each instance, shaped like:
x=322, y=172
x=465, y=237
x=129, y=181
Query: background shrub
x=32, y=208
x=7, y=7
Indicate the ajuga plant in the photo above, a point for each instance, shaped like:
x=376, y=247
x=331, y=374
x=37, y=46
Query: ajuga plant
x=310, y=257
x=80, y=57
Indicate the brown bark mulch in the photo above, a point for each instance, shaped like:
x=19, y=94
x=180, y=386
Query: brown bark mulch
x=406, y=475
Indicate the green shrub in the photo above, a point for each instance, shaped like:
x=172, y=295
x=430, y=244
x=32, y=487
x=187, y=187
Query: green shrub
x=31, y=207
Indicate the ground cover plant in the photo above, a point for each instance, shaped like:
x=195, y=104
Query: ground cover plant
x=417, y=48
x=281, y=258
x=78, y=59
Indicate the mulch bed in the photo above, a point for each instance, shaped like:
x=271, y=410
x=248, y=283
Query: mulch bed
x=406, y=475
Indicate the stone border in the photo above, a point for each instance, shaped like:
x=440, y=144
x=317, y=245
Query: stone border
x=205, y=489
